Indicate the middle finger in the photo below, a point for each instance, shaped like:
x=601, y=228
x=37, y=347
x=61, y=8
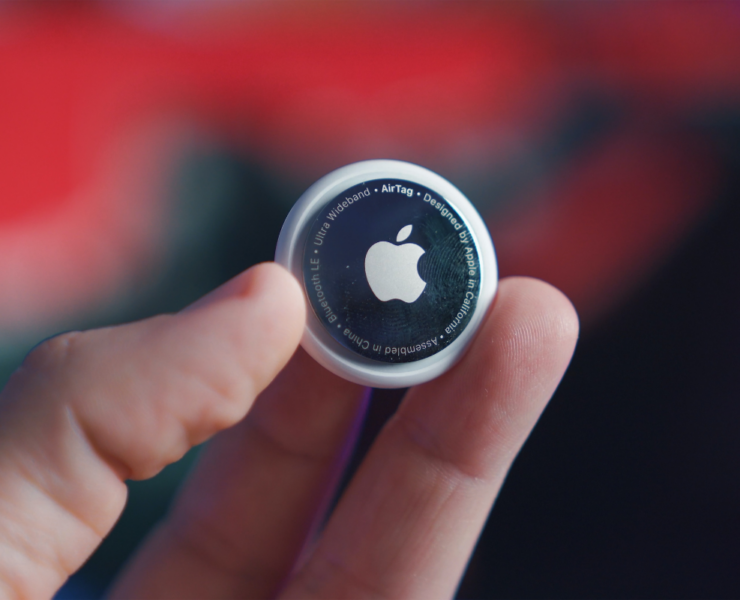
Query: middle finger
x=245, y=513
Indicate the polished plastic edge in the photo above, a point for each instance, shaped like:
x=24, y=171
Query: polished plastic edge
x=316, y=340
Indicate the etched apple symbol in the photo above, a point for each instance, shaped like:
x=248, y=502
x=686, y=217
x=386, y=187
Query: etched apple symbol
x=391, y=270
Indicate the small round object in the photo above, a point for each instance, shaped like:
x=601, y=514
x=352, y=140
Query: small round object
x=397, y=267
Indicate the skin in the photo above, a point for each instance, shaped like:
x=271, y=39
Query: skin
x=88, y=410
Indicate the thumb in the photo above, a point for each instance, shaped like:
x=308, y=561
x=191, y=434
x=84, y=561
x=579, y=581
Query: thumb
x=88, y=410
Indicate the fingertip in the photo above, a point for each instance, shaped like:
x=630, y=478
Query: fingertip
x=275, y=284
x=263, y=279
x=551, y=312
x=513, y=366
x=254, y=323
x=524, y=350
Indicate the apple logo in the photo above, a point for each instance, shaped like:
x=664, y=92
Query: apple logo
x=391, y=270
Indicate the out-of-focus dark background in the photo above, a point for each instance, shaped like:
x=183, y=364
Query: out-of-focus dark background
x=150, y=150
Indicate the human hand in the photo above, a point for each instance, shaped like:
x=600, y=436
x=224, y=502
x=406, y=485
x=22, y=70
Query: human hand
x=88, y=410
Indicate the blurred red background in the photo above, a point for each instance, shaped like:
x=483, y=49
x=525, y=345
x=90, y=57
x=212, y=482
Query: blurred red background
x=97, y=97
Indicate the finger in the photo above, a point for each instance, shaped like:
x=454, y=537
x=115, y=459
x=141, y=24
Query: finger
x=408, y=522
x=244, y=515
x=88, y=410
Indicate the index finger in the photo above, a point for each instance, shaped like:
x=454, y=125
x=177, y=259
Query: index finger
x=408, y=522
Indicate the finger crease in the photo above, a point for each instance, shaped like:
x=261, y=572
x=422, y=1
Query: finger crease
x=120, y=468
x=427, y=444
x=42, y=489
x=281, y=447
x=189, y=535
x=344, y=571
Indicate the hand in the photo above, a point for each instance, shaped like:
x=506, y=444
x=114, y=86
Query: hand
x=88, y=410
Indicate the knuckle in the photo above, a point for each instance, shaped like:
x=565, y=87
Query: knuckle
x=225, y=402
x=46, y=363
x=54, y=352
x=463, y=460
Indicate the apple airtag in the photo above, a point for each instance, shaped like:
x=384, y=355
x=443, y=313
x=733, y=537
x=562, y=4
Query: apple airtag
x=398, y=270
